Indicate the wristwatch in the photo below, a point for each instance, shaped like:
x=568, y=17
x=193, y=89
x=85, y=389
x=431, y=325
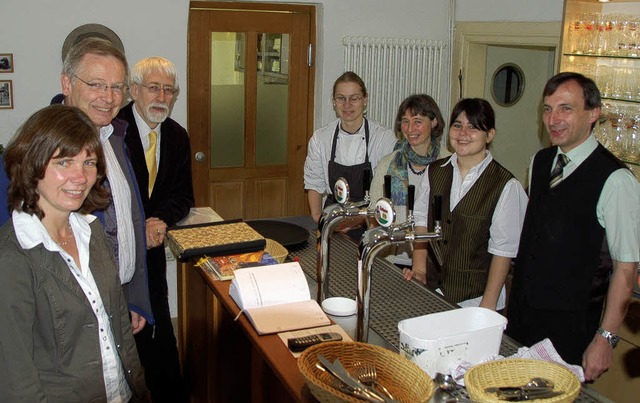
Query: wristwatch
x=612, y=338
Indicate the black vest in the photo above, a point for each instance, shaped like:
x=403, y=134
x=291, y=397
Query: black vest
x=465, y=230
x=559, y=264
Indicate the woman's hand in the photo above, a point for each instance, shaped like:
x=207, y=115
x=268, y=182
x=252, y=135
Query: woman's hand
x=419, y=275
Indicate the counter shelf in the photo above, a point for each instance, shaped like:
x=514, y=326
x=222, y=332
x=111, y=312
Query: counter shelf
x=392, y=299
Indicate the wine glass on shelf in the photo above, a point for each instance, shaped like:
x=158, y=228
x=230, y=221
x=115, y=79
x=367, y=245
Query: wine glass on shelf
x=615, y=136
x=632, y=143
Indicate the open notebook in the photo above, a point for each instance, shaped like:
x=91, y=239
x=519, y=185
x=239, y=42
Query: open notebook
x=276, y=298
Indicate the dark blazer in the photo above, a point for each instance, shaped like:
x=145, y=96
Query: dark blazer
x=172, y=195
x=49, y=333
x=136, y=290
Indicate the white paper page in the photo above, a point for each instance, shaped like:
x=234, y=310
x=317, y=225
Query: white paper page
x=269, y=285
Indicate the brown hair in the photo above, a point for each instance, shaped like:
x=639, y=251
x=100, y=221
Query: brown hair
x=63, y=131
x=349, y=77
x=424, y=105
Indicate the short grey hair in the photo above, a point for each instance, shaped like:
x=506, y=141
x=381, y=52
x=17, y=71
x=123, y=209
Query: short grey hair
x=92, y=46
x=149, y=65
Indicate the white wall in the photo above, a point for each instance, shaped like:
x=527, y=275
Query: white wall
x=509, y=10
x=34, y=32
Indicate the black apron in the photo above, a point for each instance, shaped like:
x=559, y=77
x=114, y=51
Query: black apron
x=354, y=174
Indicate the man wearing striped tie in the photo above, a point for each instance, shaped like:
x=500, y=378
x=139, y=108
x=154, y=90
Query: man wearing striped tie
x=161, y=159
x=580, y=243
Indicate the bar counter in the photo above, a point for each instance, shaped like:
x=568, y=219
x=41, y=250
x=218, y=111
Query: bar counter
x=226, y=361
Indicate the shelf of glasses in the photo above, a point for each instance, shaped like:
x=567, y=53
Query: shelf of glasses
x=607, y=56
x=632, y=101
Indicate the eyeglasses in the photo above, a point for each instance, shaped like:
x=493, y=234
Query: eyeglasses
x=471, y=129
x=353, y=99
x=119, y=89
x=156, y=89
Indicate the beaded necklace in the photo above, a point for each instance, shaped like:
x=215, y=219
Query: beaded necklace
x=417, y=172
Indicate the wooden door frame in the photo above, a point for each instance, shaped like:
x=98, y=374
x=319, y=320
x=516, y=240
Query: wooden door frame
x=471, y=40
x=198, y=112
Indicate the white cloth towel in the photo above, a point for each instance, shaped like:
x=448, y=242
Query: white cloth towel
x=542, y=350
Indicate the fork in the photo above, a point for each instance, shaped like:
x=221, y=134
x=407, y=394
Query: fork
x=367, y=374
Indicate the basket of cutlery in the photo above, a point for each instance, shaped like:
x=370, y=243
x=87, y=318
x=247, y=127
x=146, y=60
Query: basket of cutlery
x=394, y=377
x=490, y=381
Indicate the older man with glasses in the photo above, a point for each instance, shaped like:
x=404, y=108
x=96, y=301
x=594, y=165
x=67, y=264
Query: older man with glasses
x=94, y=79
x=161, y=159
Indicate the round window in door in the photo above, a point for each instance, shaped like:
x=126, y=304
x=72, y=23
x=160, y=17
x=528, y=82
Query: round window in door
x=507, y=84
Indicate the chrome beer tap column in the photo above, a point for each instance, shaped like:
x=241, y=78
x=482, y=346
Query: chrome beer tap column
x=379, y=238
x=330, y=218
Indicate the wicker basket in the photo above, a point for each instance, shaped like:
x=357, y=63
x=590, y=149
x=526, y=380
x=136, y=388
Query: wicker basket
x=404, y=379
x=276, y=250
x=518, y=371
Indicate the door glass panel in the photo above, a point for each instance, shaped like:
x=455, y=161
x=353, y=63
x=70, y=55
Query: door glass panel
x=227, y=99
x=272, y=99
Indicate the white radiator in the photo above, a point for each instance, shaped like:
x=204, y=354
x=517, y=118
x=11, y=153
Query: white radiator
x=394, y=68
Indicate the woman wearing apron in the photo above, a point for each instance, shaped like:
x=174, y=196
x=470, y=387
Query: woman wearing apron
x=344, y=148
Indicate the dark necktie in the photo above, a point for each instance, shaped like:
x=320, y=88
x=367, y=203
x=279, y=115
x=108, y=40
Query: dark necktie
x=556, y=174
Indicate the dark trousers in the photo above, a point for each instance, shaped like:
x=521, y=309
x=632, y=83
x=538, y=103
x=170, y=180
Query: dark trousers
x=569, y=331
x=157, y=345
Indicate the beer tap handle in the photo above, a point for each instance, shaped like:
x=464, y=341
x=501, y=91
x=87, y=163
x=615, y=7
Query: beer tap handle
x=411, y=194
x=387, y=187
x=366, y=181
x=437, y=210
x=437, y=207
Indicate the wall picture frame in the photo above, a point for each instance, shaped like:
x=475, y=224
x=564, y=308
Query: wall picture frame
x=6, y=94
x=6, y=62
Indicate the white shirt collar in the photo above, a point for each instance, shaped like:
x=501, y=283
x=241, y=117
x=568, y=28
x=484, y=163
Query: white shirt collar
x=31, y=232
x=580, y=153
x=479, y=168
x=105, y=132
x=143, y=127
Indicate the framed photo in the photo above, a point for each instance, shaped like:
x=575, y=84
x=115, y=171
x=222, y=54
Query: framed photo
x=6, y=62
x=6, y=94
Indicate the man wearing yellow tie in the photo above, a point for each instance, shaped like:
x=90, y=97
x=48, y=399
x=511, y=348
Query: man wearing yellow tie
x=161, y=159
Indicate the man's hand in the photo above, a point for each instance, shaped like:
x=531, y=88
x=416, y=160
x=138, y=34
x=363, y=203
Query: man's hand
x=137, y=322
x=156, y=230
x=597, y=358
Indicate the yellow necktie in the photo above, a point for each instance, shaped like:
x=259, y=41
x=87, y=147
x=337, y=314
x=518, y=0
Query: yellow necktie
x=150, y=156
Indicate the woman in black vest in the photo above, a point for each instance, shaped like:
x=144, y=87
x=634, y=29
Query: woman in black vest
x=483, y=208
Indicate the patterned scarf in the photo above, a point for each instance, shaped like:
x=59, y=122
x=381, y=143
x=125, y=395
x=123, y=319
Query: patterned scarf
x=398, y=168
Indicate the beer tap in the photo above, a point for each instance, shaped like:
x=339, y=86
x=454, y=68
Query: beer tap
x=330, y=218
x=379, y=238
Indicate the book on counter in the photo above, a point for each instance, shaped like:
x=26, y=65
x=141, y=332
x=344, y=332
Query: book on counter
x=276, y=298
x=222, y=267
x=214, y=239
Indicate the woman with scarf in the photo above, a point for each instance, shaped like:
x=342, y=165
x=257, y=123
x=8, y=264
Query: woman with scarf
x=419, y=126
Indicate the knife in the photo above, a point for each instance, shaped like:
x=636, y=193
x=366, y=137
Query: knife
x=520, y=395
x=338, y=371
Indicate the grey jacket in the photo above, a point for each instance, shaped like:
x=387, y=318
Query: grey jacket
x=49, y=336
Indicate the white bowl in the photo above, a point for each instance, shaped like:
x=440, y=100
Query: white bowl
x=339, y=306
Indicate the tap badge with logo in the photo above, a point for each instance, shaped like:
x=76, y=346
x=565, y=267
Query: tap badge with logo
x=341, y=191
x=384, y=212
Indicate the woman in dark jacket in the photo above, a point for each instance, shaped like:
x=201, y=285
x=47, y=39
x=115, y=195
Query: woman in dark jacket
x=65, y=333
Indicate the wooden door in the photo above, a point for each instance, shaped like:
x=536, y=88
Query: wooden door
x=250, y=106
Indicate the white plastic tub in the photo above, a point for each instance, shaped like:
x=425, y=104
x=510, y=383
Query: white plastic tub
x=439, y=342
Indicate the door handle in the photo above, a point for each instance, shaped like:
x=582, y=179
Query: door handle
x=200, y=157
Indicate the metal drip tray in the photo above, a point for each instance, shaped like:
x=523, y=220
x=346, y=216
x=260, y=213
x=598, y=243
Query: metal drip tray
x=392, y=297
